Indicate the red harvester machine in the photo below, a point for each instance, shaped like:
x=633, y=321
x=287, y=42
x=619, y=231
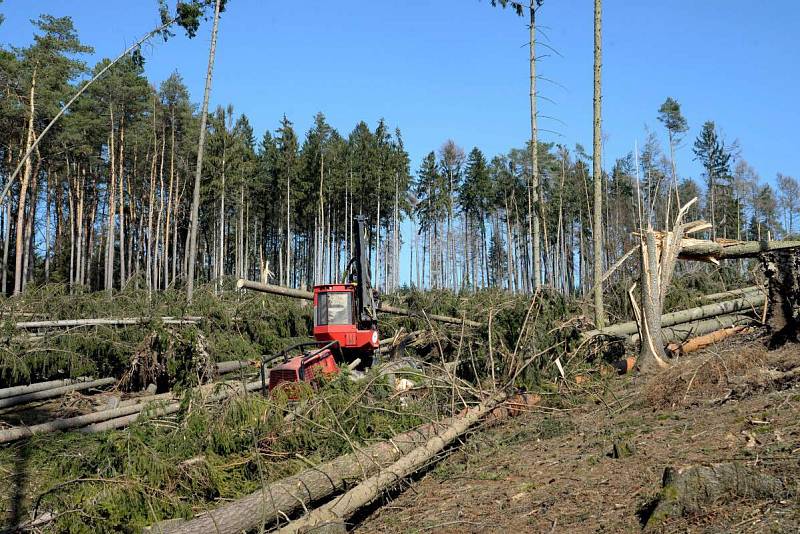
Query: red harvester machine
x=345, y=328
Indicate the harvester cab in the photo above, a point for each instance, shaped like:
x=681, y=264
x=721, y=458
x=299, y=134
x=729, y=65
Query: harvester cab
x=345, y=327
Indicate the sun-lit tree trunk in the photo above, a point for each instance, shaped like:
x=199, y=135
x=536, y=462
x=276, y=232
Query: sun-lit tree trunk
x=194, y=222
x=29, y=258
x=23, y=190
x=47, y=230
x=112, y=189
x=533, y=187
x=160, y=240
x=123, y=275
x=597, y=170
x=220, y=268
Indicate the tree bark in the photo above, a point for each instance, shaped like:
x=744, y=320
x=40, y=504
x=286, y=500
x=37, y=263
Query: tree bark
x=54, y=392
x=533, y=187
x=194, y=222
x=597, y=168
x=282, y=498
x=23, y=191
x=368, y=490
x=691, y=489
x=628, y=328
x=696, y=249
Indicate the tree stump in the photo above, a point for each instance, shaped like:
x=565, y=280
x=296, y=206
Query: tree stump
x=689, y=490
x=782, y=269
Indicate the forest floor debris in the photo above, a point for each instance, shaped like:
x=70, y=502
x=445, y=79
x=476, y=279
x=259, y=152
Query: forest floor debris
x=552, y=470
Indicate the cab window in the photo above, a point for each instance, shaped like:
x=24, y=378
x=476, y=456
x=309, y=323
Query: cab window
x=334, y=308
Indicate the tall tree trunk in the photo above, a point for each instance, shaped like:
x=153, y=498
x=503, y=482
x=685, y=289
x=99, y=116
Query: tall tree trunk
x=597, y=170
x=533, y=187
x=47, y=231
x=194, y=222
x=23, y=191
x=123, y=274
x=221, y=254
x=27, y=267
x=7, y=238
x=112, y=204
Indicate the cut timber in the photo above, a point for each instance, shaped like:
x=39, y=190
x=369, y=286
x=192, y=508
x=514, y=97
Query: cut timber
x=123, y=321
x=749, y=302
x=699, y=249
x=38, y=386
x=343, y=507
x=54, y=392
x=700, y=342
x=691, y=489
x=280, y=499
x=733, y=293
x=104, y=420
x=681, y=333
x=385, y=308
x=288, y=495
x=227, y=367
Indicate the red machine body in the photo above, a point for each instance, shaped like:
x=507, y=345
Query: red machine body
x=335, y=319
x=303, y=368
x=345, y=325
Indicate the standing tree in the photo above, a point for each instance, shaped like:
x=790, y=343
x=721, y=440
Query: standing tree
x=533, y=186
x=193, y=221
x=48, y=64
x=670, y=116
x=789, y=200
x=597, y=169
x=715, y=158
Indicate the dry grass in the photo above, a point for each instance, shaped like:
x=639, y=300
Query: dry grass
x=705, y=376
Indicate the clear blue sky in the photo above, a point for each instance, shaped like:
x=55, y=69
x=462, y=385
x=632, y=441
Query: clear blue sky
x=458, y=69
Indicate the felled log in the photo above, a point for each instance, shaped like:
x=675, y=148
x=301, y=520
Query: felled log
x=748, y=302
x=123, y=321
x=227, y=367
x=689, y=490
x=732, y=294
x=38, y=386
x=103, y=420
x=287, y=496
x=385, y=308
x=700, y=342
x=343, y=507
x=54, y=392
x=683, y=332
x=703, y=250
x=782, y=269
x=122, y=420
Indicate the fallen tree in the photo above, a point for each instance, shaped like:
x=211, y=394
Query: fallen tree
x=706, y=250
x=682, y=332
x=732, y=294
x=750, y=302
x=702, y=341
x=122, y=321
x=106, y=419
x=385, y=308
x=38, y=386
x=344, y=506
x=282, y=498
x=54, y=392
